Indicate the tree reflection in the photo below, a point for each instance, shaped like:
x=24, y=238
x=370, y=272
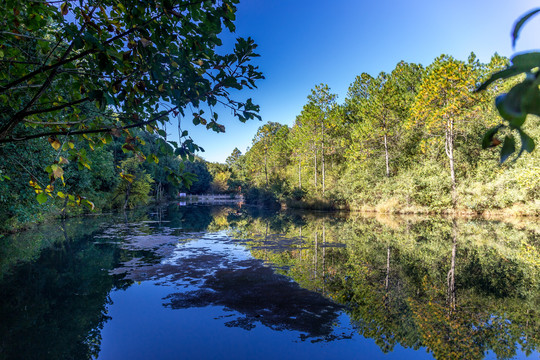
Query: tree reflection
x=55, y=306
x=458, y=287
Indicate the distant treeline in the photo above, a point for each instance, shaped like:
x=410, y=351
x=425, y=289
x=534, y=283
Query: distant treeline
x=405, y=141
x=115, y=179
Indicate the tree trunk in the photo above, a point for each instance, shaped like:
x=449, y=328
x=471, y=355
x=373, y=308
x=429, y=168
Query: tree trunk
x=315, y=169
x=387, y=280
x=386, y=154
x=315, y=256
x=322, y=156
x=449, y=148
x=451, y=278
x=300, y=173
x=266, y=167
x=324, y=258
x=128, y=191
x=63, y=214
x=158, y=192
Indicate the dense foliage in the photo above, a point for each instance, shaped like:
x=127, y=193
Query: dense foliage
x=404, y=141
x=83, y=82
x=86, y=88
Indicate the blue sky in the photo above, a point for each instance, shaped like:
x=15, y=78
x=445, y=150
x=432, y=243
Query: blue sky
x=304, y=43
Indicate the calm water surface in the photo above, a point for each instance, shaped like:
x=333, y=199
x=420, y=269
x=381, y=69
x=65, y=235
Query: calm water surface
x=201, y=282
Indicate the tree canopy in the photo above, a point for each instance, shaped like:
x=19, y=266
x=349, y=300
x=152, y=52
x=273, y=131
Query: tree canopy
x=92, y=70
x=407, y=140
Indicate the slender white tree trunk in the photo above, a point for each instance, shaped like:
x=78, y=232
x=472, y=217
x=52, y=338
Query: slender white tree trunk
x=315, y=169
x=300, y=173
x=451, y=278
x=386, y=155
x=387, y=280
x=449, y=147
x=322, y=156
x=266, y=167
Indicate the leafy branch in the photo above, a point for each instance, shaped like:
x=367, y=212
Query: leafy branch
x=522, y=99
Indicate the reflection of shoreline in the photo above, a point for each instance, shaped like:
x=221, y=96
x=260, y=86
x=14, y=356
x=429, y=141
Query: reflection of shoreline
x=406, y=281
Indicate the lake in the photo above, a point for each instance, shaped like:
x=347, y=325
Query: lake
x=224, y=282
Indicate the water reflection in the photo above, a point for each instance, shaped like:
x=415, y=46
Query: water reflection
x=53, y=303
x=458, y=288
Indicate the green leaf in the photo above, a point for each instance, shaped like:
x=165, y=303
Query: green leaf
x=162, y=132
x=527, y=143
x=41, y=198
x=92, y=40
x=519, y=24
x=509, y=105
x=487, y=140
x=95, y=94
x=530, y=102
x=503, y=74
x=526, y=61
x=509, y=147
x=64, y=8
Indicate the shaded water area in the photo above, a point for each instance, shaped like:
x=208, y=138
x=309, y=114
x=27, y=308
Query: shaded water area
x=202, y=282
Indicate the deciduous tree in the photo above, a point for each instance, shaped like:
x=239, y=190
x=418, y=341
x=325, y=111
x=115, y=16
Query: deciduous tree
x=95, y=69
x=444, y=101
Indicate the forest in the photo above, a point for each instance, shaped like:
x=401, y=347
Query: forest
x=408, y=141
x=87, y=92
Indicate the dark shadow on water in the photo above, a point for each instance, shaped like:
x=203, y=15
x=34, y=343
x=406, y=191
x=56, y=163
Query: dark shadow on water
x=262, y=296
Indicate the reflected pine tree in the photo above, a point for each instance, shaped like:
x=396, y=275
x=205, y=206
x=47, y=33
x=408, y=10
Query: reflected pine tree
x=460, y=288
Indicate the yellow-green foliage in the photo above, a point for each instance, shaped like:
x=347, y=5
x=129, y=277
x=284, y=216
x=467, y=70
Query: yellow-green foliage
x=387, y=148
x=135, y=185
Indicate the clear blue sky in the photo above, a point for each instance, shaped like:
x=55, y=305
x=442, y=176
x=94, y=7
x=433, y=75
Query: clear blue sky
x=303, y=43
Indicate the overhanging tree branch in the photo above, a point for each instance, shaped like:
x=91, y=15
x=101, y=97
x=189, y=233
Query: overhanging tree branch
x=19, y=116
x=56, y=108
x=87, y=131
x=64, y=61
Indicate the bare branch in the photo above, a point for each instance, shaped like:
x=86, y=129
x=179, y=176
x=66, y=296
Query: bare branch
x=56, y=108
x=25, y=36
x=89, y=131
x=53, y=123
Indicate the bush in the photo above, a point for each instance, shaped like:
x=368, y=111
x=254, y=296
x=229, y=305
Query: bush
x=260, y=197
